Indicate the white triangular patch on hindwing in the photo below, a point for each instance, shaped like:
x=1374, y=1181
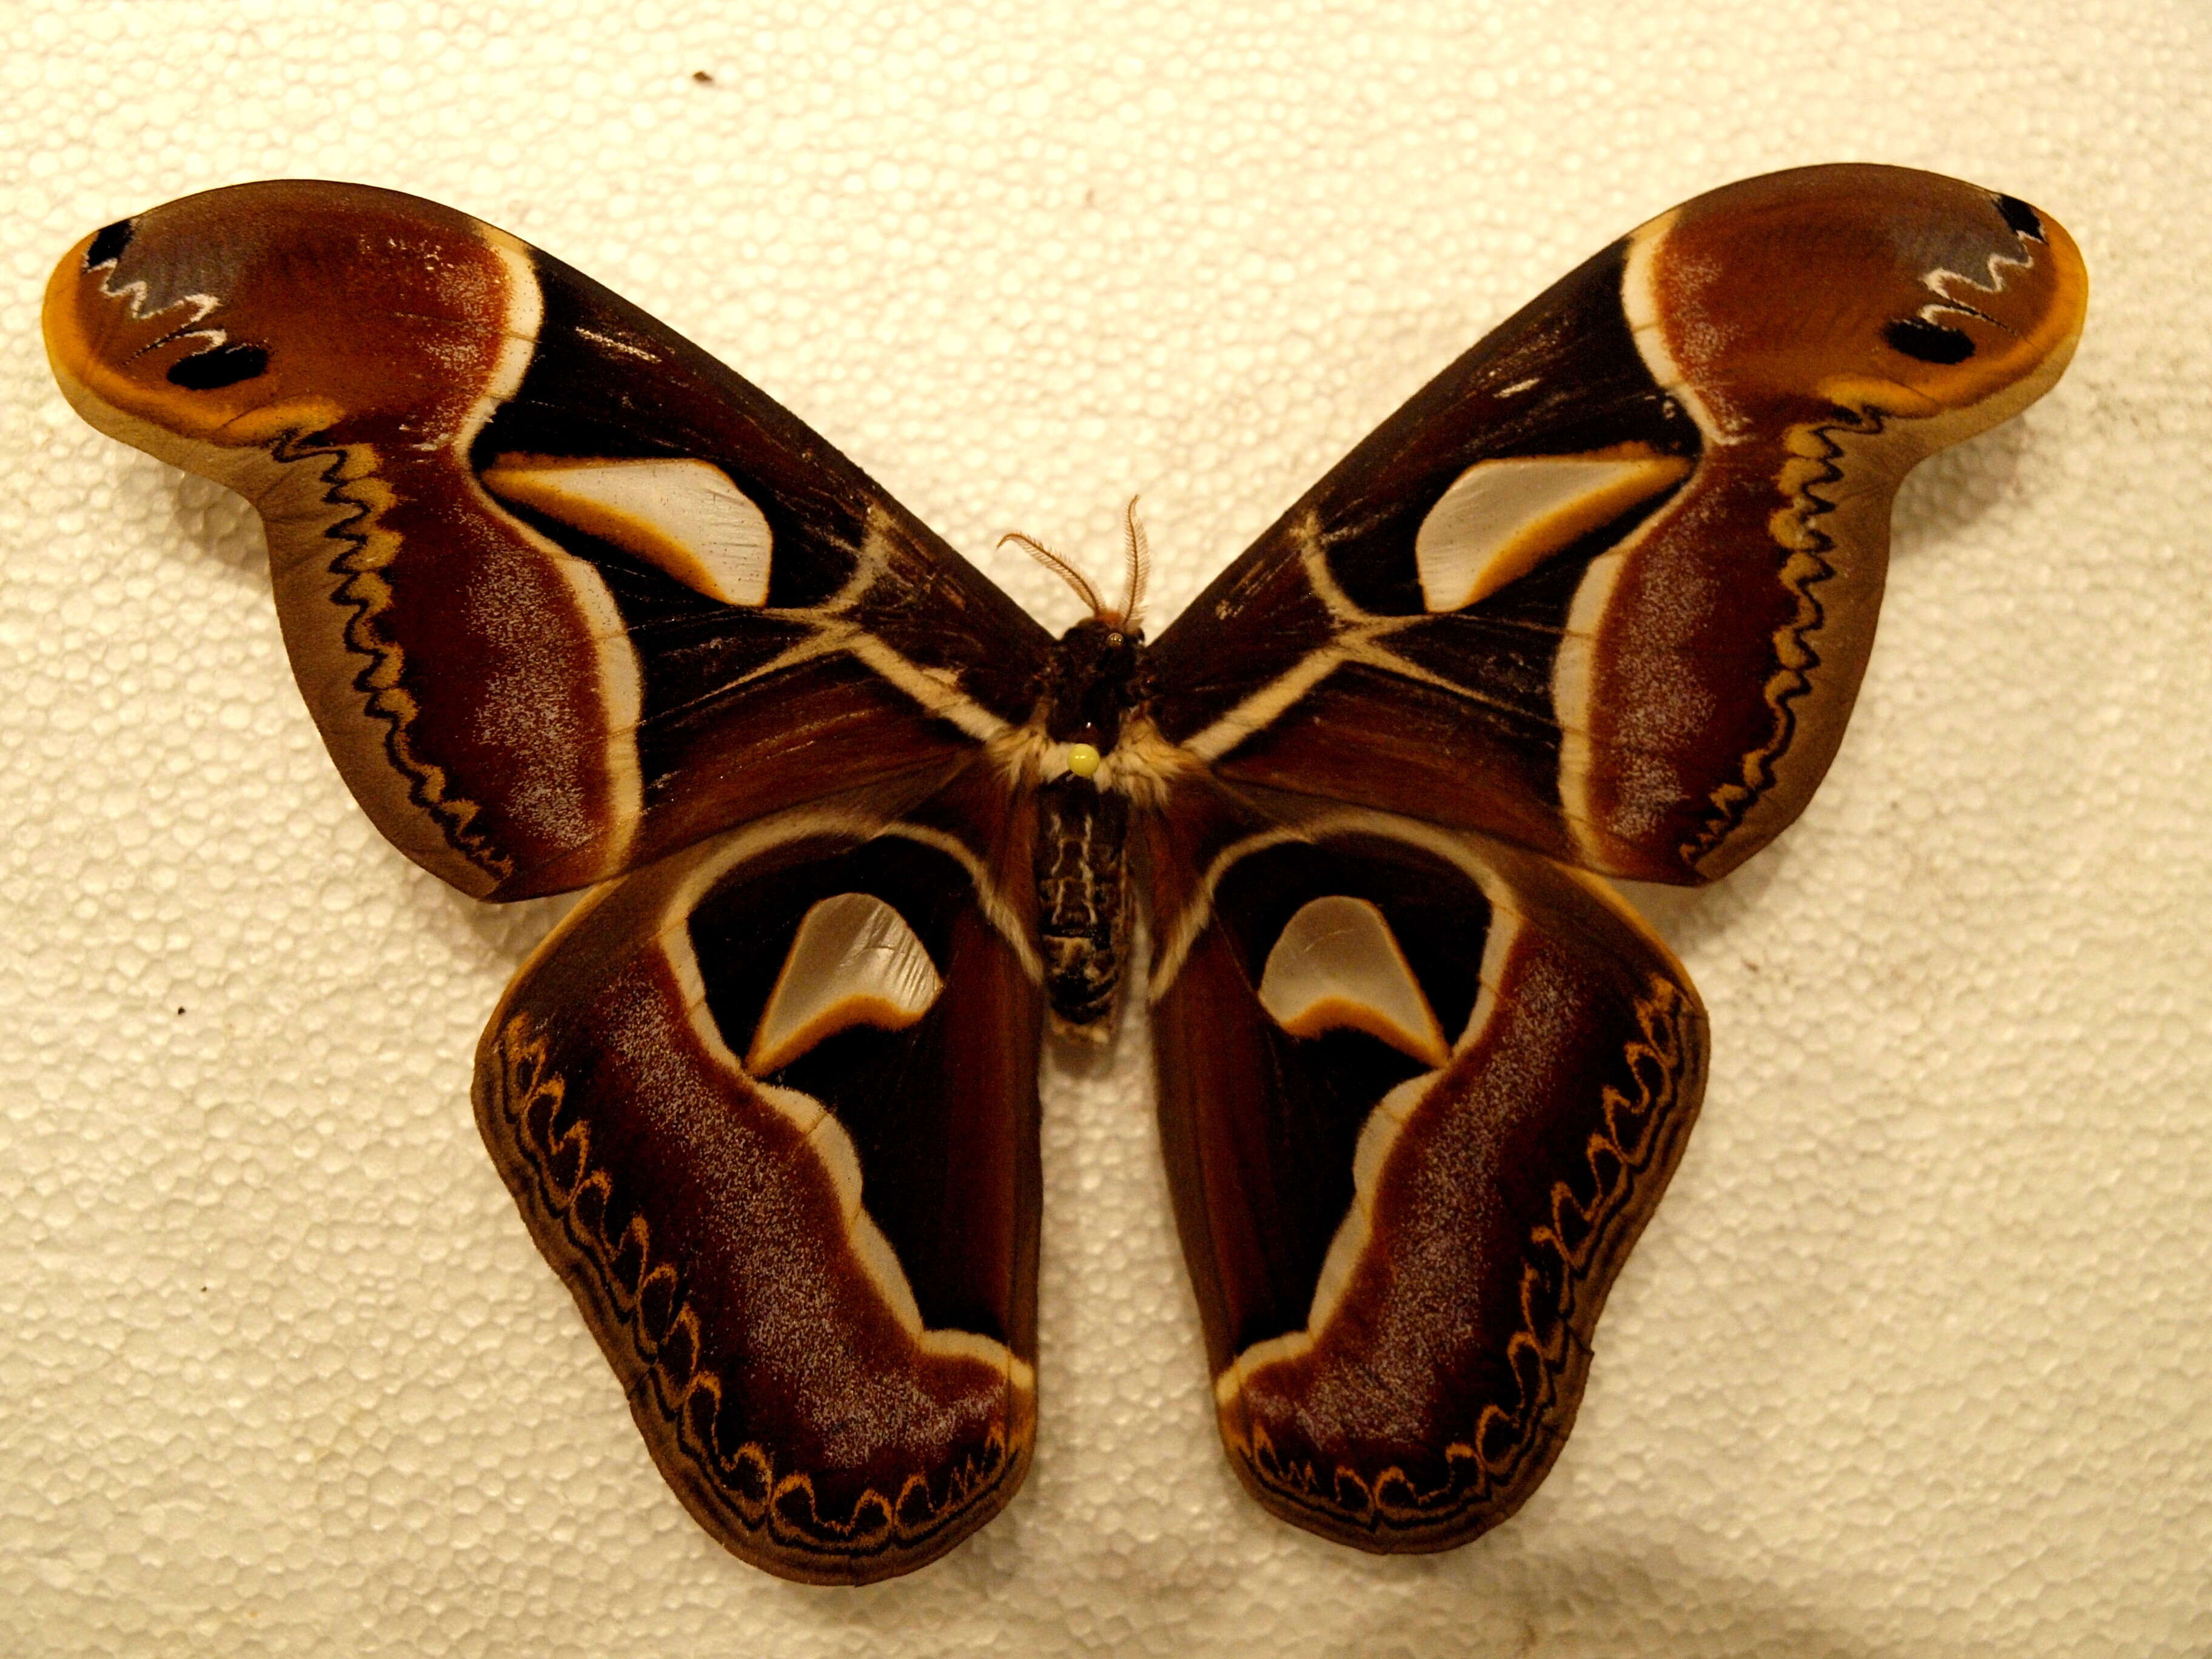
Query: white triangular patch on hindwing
x=1335, y=965
x=854, y=960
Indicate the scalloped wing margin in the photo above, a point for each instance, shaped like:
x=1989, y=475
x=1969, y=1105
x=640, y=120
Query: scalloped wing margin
x=818, y=1284
x=1400, y=1255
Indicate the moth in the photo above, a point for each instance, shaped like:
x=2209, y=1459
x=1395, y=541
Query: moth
x=575, y=606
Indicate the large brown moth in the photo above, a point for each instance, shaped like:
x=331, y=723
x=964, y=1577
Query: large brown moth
x=572, y=603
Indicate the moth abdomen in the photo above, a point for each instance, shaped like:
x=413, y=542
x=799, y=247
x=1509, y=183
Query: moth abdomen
x=1083, y=901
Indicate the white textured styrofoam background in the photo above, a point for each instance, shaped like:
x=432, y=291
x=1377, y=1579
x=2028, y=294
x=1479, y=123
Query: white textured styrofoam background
x=1914, y=1359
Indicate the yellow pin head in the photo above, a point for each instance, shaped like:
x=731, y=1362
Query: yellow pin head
x=1082, y=759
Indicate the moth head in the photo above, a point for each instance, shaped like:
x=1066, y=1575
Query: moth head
x=1102, y=647
x=209, y=322
x=1097, y=671
x=1096, y=676
x=1943, y=301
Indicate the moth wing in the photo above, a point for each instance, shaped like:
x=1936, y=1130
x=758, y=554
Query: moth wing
x=562, y=592
x=1607, y=585
x=1420, y=1091
x=769, y=1107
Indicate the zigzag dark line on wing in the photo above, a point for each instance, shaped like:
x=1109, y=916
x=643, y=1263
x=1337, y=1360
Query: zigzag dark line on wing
x=367, y=594
x=1584, y=1240
x=1804, y=569
x=568, y=1191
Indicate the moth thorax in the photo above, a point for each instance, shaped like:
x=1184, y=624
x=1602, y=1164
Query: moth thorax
x=1083, y=903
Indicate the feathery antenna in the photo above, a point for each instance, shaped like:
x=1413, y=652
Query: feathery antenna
x=1140, y=566
x=1127, y=618
x=1059, y=567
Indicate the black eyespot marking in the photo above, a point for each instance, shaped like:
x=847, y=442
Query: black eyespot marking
x=205, y=371
x=2019, y=217
x=1931, y=342
x=107, y=244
